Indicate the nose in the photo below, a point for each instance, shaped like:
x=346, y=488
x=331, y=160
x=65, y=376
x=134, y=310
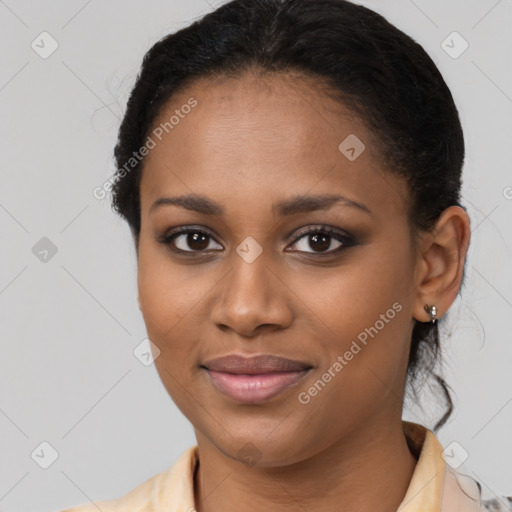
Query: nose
x=252, y=298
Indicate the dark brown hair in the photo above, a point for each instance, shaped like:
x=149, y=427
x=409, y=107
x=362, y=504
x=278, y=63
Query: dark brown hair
x=375, y=70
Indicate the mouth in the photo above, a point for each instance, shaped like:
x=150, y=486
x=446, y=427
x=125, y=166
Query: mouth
x=255, y=379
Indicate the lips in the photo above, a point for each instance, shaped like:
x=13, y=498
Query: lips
x=254, y=379
x=254, y=365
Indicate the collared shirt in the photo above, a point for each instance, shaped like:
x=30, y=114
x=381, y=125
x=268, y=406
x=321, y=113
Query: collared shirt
x=435, y=485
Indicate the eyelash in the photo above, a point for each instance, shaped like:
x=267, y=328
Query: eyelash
x=345, y=239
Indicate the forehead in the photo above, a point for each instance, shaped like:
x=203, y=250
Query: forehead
x=255, y=137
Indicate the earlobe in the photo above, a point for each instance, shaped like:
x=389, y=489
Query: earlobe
x=442, y=255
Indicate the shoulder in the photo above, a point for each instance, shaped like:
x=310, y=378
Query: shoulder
x=463, y=492
x=498, y=504
x=170, y=489
x=139, y=499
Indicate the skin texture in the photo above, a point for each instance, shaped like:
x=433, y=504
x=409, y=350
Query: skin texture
x=251, y=142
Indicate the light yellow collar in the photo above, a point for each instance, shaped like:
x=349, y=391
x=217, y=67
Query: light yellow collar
x=424, y=494
x=434, y=486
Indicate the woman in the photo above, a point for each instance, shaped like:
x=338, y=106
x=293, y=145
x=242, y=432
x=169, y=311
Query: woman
x=291, y=173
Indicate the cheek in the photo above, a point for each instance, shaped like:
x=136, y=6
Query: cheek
x=364, y=310
x=352, y=297
x=174, y=304
x=162, y=309
x=166, y=291
x=167, y=310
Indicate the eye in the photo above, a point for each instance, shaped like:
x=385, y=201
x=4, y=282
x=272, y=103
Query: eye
x=186, y=239
x=322, y=238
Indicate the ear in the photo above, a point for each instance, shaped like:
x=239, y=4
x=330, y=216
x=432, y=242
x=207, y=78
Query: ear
x=441, y=257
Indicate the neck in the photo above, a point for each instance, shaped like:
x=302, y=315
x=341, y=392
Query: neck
x=337, y=478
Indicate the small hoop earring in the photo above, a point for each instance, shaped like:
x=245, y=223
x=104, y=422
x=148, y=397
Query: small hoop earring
x=432, y=311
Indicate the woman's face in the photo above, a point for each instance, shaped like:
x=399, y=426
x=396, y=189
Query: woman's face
x=261, y=281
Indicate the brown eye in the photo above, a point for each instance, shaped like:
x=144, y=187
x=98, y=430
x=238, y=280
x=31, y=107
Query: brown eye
x=196, y=241
x=322, y=241
x=188, y=240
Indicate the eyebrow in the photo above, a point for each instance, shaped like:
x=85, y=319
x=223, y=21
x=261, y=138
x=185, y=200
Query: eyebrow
x=291, y=206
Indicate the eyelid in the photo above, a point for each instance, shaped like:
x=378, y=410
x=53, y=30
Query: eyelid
x=319, y=228
x=169, y=236
x=346, y=241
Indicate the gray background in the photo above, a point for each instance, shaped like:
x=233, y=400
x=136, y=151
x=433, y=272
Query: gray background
x=69, y=324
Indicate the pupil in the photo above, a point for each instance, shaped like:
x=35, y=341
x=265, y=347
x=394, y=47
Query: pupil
x=324, y=241
x=195, y=238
